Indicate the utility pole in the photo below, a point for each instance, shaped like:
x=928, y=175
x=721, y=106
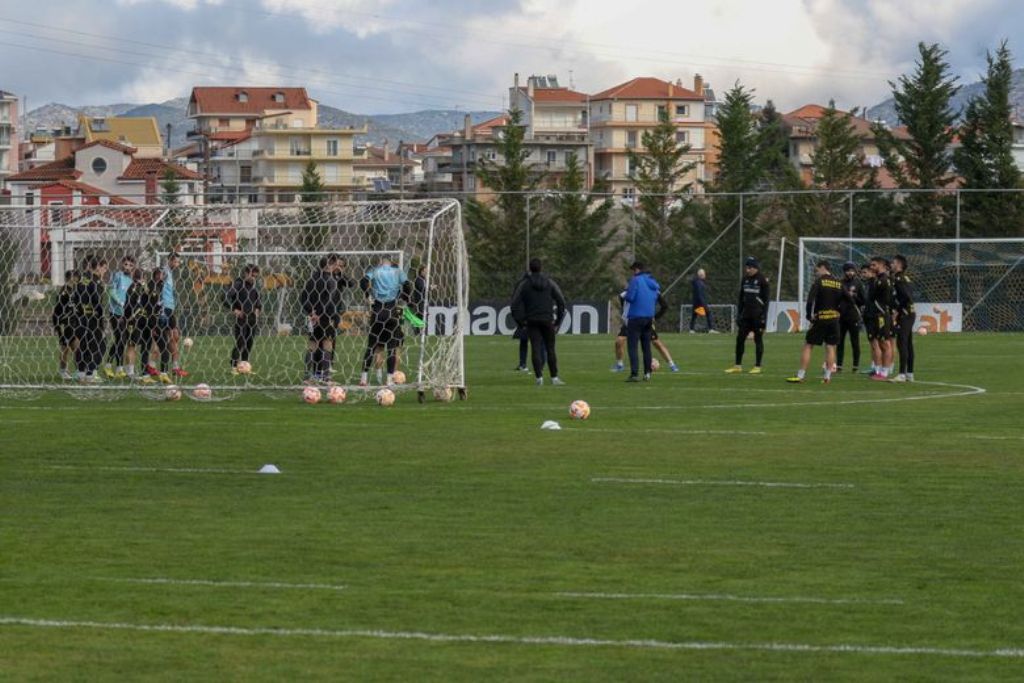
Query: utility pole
x=401, y=170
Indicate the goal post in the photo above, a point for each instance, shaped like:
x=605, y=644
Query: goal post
x=422, y=239
x=969, y=284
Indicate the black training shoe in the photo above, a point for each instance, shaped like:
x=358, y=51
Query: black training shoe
x=632, y=378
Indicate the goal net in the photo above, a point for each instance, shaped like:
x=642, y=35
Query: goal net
x=716, y=318
x=959, y=285
x=270, y=297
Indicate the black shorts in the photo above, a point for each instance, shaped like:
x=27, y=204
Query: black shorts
x=323, y=330
x=65, y=334
x=623, y=332
x=386, y=326
x=748, y=325
x=139, y=332
x=885, y=327
x=823, y=332
x=172, y=321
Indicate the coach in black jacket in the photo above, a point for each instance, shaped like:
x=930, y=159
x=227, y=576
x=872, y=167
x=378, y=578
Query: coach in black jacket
x=244, y=297
x=539, y=305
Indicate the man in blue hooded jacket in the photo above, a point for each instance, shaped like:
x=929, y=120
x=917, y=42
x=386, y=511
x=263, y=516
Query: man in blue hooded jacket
x=642, y=297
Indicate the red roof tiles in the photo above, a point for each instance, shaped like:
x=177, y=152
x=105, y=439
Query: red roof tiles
x=110, y=144
x=227, y=100
x=140, y=168
x=62, y=169
x=86, y=189
x=556, y=95
x=647, y=88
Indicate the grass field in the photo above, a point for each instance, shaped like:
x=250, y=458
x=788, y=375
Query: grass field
x=701, y=526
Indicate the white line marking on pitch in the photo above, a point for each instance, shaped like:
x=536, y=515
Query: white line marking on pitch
x=728, y=598
x=968, y=390
x=228, y=584
x=562, y=641
x=712, y=482
x=726, y=432
x=994, y=438
x=174, y=470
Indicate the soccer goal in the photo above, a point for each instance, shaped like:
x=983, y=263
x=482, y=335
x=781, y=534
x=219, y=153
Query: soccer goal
x=722, y=316
x=237, y=316
x=959, y=285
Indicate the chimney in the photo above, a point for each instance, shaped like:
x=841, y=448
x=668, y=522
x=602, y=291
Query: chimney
x=530, y=85
x=151, y=197
x=387, y=153
x=168, y=141
x=698, y=84
x=515, y=81
x=467, y=127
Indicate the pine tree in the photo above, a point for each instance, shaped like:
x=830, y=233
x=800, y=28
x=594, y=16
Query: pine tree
x=170, y=187
x=741, y=148
x=659, y=171
x=922, y=159
x=985, y=156
x=773, y=150
x=578, y=248
x=313, y=233
x=497, y=232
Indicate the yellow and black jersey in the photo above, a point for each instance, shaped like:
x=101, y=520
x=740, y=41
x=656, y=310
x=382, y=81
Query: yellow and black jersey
x=823, y=301
x=882, y=295
x=903, y=293
x=88, y=298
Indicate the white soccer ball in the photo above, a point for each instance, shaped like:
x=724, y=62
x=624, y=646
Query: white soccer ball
x=443, y=394
x=922, y=330
x=244, y=367
x=311, y=395
x=398, y=377
x=284, y=329
x=337, y=395
x=172, y=393
x=655, y=365
x=203, y=392
x=385, y=397
x=579, y=410
x=187, y=343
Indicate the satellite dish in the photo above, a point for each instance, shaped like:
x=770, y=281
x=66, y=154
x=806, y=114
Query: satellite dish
x=104, y=200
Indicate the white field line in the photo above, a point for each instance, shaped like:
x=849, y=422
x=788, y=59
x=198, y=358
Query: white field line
x=556, y=641
x=726, y=432
x=995, y=438
x=227, y=584
x=173, y=470
x=714, y=482
x=708, y=597
x=84, y=407
x=965, y=390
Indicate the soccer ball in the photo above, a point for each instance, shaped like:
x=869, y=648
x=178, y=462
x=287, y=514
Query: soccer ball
x=655, y=365
x=337, y=395
x=579, y=410
x=922, y=330
x=202, y=392
x=172, y=393
x=398, y=377
x=385, y=397
x=311, y=395
x=244, y=367
x=443, y=394
x=186, y=343
x=284, y=329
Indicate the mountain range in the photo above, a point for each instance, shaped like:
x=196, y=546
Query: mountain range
x=411, y=127
x=886, y=111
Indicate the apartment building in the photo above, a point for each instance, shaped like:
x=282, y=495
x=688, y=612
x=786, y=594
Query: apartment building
x=255, y=143
x=9, y=143
x=140, y=132
x=620, y=115
x=556, y=125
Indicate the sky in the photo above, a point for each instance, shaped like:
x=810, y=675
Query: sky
x=391, y=56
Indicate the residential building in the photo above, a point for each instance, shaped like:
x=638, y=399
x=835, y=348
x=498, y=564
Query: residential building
x=9, y=143
x=473, y=142
x=387, y=171
x=620, y=115
x=556, y=125
x=256, y=142
x=140, y=132
x=436, y=157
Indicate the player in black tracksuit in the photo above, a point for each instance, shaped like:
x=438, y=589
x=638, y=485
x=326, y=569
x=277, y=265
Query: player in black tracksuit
x=903, y=301
x=881, y=307
x=158, y=334
x=88, y=312
x=850, y=316
x=823, y=304
x=244, y=299
x=539, y=306
x=63, y=319
x=136, y=322
x=752, y=313
x=321, y=302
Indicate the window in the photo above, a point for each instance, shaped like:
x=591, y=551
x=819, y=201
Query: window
x=332, y=147
x=99, y=165
x=298, y=123
x=631, y=139
x=552, y=157
x=223, y=123
x=279, y=97
x=297, y=146
x=682, y=110
x=245, y=174
x=629, y=193
x=242, y=96
x=662, y=112
x=682, y=137
x=631, y=167
x=55, y=212
x=631, y=112
x=30, y=198
x=491, y=154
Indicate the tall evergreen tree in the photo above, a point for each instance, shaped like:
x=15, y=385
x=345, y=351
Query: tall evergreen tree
x=773, y=150
x=922, y=159
x=581, y=234
x=741, y=150
x=838, y=161
x=985, y=156
x=659, y=171
x=497, y=232
x=314, y=233
x=169, y=187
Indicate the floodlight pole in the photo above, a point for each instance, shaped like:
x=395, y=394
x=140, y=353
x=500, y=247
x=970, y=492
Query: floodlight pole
x=958, y=246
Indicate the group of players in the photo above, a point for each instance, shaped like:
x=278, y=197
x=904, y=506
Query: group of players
x=140, y=307
x=879, y=297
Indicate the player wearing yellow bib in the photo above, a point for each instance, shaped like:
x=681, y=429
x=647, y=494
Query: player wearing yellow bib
x=823, y=301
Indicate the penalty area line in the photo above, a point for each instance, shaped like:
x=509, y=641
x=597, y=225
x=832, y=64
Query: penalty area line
x=713, y=482
x=730, y=598
x=553, y=641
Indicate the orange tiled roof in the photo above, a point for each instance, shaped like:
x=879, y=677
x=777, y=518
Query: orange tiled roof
x=87, y=189
x=647, y=88
x=224, y=100
x=486, y=126
x=124, y=149
x=140, y=168
x=556, y=95
x=62, y=169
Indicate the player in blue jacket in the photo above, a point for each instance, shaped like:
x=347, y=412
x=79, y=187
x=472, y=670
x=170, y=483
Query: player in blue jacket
x=642, y=297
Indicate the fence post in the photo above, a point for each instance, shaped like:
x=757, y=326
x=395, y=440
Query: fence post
x=958, y=246
x=849, y=255
x=741, y=237
x=632, y=215
x=527, y=233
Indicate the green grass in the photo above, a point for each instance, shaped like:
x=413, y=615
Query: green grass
x=467, y=519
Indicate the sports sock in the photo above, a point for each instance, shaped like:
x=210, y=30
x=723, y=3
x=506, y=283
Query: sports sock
x=325, y=362
x=800, y=373
x=828, y=371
